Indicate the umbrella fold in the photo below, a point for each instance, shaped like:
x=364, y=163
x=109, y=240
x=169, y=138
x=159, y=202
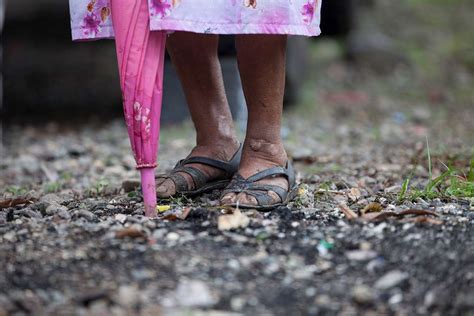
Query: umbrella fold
x=140, y=55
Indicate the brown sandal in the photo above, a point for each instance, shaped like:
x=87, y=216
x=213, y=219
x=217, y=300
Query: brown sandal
x=260, y=191
x=200, y=179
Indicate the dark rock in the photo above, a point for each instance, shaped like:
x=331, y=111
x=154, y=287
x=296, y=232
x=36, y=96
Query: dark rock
x=89, y=216
x=130, y=185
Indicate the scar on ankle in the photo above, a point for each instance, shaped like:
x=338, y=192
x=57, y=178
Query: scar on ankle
x=263, y=145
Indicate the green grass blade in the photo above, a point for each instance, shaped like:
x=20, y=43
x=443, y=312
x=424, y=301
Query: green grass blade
x=434, y=183
x=404, y=189
x=429, y=160
x=470, y=174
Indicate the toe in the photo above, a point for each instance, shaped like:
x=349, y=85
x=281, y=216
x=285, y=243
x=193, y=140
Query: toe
x=166, y=189
x=246, y=199
x=160, y=180
x=228, y=199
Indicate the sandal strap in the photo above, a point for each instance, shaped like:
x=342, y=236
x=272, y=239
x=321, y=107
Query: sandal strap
x=199, y=178
x=263, y=198
x=257, y=190
x=260, y=191
x=219, y=164
x=179, y=181
x=230, y=167
x=288, y=172
x=281, y=192
x=267, y=173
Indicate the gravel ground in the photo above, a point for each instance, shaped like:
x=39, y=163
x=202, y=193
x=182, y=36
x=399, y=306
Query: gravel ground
x=73, y=238
x=79, y=243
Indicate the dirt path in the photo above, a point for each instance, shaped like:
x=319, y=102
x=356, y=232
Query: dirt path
x=87, y=246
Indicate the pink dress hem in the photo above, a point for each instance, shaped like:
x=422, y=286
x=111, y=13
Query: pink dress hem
x=92, y=19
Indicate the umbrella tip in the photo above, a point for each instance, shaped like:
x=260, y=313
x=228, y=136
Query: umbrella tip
x=149, y=191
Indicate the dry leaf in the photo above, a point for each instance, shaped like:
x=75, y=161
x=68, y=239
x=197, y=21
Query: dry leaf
x=185, y=212
x=350, y=214
x=417, y=212
x=372, y=207
x=424, y=219
x=354, y=194
x=370, y=216
x=232, y=221
x=384, y=215
x=380, y=216
x=14, y=202
x=177, y=215
x=131, y=232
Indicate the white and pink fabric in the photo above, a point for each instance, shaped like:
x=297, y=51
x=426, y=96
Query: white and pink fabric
x=139, y=28
x=91, y=19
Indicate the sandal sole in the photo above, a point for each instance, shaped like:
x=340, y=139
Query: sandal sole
x=266, y=208
x=216, y=185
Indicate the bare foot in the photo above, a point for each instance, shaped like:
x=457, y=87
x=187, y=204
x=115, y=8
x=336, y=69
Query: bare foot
x=257, y=156
x=223, y=150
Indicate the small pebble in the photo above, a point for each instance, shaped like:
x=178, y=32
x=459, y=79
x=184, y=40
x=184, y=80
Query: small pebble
x=87, y=215
x=362, y=294
x=121, y=218
x=172, y=236
x=361, y=255
x=55, y=208
x=391, y=279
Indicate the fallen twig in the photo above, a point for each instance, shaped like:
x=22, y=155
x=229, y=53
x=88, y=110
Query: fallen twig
x=130, y=232
x=331, y=191
x=417, y=212
x=350, y=214
x=421, y=216
x=424, y=219
x=14, y=202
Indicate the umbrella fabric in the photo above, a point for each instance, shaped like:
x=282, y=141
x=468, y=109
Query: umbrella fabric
x=90, y=19
x=140, y=55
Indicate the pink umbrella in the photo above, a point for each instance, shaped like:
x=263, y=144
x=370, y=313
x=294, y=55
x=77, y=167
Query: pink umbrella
x=140, y=55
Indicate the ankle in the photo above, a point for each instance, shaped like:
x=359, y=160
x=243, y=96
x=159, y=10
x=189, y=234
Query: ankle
x=219, y=141
x=221, y=148
x=269, y=150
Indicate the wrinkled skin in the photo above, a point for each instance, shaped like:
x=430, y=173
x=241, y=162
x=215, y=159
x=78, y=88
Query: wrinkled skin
x=261, y=60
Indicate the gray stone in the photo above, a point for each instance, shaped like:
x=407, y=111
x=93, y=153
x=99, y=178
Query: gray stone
x=391, y=279
x=10, y=236
x=362, y=294
x=29, y=163
x=396, y=298
x=51, y=198
x=54, y=209
x=430, y=299
x=128, y=295
x=237, y=303
x=361, y=255
x=64, y=214
x=194, y=293
x=121, y=218
x=27, y=212
x=87, y=215
x=172, y=236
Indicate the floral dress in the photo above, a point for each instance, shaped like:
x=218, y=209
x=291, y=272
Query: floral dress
x=91, y=19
